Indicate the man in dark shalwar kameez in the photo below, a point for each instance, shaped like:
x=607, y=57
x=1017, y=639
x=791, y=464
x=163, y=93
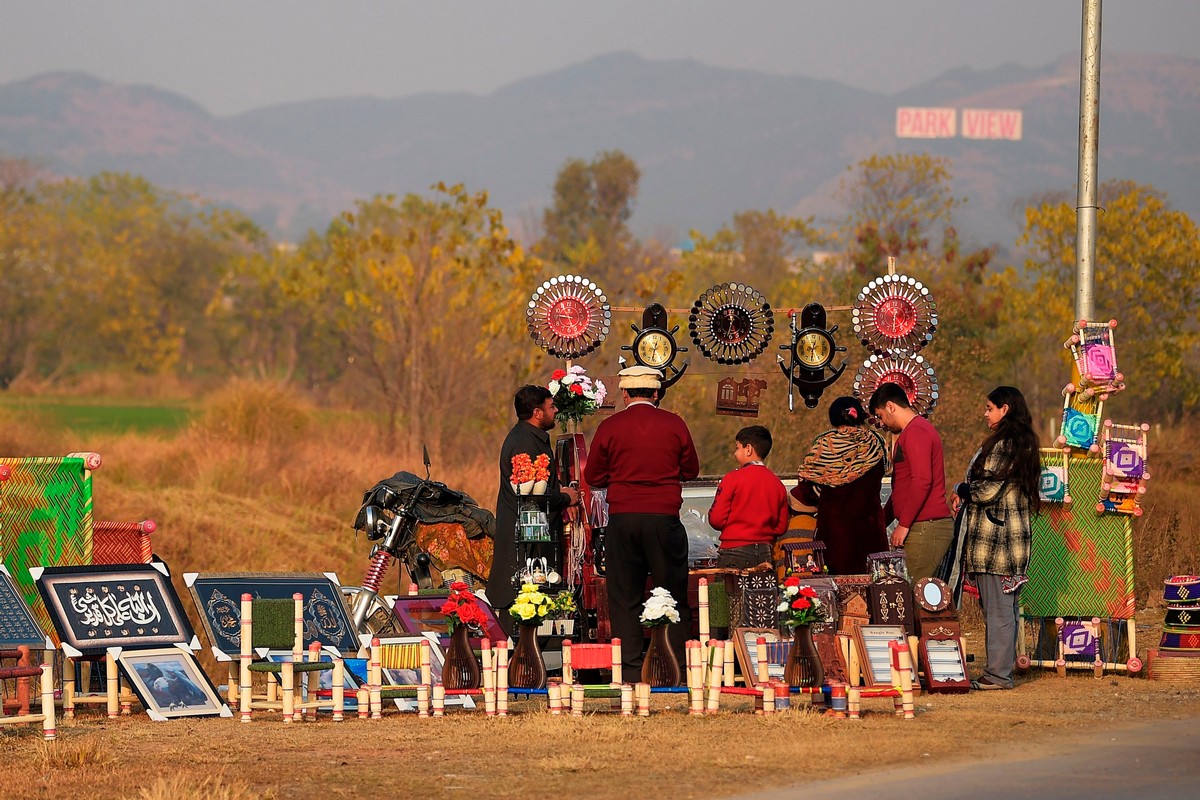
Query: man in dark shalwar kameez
x=535, y=419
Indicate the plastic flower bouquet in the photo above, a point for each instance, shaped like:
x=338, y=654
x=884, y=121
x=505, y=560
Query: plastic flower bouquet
x=659, y=609
x=575, y=394
x=533, y=605
x=462, y=607
x=799, y=604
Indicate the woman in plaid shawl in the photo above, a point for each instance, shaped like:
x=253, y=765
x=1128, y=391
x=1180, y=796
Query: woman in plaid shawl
x=997, y=501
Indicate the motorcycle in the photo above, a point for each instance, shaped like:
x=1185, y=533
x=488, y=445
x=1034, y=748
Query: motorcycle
x=407, y=517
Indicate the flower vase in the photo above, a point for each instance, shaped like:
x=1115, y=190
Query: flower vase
x=526, y=669
x=539, y=487
x=803, y=668
x=461, y=669
x=660, y=668
x=525, y=487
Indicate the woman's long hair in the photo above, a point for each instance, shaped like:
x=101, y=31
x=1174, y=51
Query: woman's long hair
x=1023, y=467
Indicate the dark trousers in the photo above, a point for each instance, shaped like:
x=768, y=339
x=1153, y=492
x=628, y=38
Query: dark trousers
x=744, y=557
x=637, y=546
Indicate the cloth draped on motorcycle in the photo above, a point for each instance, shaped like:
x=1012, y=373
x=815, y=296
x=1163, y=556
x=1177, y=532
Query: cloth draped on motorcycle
x=451, y=527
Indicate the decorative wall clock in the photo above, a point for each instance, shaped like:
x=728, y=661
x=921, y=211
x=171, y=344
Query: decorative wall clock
x=654, y=344
x=911, y=373
x=731, y=323
x=568, y=316
x=894, y=313
x=812, y=350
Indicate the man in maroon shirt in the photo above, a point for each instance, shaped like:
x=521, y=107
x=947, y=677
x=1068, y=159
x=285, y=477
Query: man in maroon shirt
x=641, y=456
x=918, y=503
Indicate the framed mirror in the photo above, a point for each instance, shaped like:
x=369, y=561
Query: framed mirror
x=932, y=594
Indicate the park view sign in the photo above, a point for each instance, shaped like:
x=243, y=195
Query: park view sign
x=943, y=123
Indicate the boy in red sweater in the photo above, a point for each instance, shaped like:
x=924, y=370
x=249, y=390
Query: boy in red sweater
x=750, y=508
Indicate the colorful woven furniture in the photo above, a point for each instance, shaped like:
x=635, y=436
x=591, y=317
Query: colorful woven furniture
x=23, y=671
x=900, y=692
x=271, y=624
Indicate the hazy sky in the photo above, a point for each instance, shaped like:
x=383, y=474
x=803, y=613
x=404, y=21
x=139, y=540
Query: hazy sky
x=233, y=55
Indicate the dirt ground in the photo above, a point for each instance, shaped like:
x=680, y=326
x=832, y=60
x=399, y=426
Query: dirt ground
x=599, y=756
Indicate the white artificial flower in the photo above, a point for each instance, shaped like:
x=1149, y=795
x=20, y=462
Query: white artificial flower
x=554, y=387
x=672, y=615
x=792, y=591
x=601, y=392
x=784, y=606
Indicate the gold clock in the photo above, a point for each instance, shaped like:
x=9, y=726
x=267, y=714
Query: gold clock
x=814, y=348
x=654, y=348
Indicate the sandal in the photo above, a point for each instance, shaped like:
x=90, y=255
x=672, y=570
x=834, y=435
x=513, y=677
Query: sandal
x=985, y=685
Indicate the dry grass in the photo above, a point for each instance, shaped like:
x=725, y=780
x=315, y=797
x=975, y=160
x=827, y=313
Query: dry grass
x=599, y=756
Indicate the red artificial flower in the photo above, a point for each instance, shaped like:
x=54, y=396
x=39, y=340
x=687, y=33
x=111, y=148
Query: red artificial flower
x=558, y=375
x=449, y=607
x=791, y=581
x=576, y=389
x=458, y=586
x=801, y=603
x=808, y=591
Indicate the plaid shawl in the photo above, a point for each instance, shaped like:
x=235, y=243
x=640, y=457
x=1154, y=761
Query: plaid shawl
x=842, y=455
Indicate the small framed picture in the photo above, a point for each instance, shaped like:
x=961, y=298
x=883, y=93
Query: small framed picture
x=774, y=652
x=423, y=613
x=171, y=684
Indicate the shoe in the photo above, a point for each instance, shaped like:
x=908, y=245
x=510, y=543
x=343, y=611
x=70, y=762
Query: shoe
x=983, y=684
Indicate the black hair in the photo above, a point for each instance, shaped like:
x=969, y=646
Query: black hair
x=847, y=411
x=888, y=393
x=757, y=437
x=1023, y=465
x=642, y=392
x=528, y=398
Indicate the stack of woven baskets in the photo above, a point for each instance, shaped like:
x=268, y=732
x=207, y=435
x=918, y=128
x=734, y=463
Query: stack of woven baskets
x=1178, y=656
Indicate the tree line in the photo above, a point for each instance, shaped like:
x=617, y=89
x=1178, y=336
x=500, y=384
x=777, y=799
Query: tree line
x=413, y=307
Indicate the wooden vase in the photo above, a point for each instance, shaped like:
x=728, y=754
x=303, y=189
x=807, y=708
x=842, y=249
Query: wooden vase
x=660, y=668
x=803, y=668
x=461, y=669
x=526, y=668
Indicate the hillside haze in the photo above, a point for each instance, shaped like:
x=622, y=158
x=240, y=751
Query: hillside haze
x=710, y=141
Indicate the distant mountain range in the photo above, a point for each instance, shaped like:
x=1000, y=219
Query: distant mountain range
x=710, y=141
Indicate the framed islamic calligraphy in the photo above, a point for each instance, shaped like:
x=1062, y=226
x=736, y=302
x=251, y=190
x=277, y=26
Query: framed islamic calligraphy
x=218, y=600
x=97, y=606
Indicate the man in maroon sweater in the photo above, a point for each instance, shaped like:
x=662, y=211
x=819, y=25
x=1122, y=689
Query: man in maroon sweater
x=641, y=456
x=925, y=526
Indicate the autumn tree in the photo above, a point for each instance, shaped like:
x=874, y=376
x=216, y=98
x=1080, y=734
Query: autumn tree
x=586, y=228
x=1146, y=277
x=894, y=203
x=428, y=296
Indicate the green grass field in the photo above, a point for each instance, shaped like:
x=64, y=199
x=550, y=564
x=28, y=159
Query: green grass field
x=101, y=417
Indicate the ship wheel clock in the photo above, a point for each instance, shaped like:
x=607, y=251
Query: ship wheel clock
x=731, y=323
x=812, y=352
x=568, y=316
x=654, y=345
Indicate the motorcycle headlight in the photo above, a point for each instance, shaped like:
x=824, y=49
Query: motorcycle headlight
x=374, y=524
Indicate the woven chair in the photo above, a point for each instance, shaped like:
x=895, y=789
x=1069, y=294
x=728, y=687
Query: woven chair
x=20, y=673
x=900, y=692
x=622, y=695
x=416, y=656
x=269, y=624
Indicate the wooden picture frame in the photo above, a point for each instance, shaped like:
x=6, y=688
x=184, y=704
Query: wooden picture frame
x=875, y=659
x=407, y=677
x=217, y=596
x=745, y=647
x=170, y=683
x=423, y=614
x=18, y=627
x=97, y=606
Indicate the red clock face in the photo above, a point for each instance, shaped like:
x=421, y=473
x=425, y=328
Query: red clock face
x=567, y=317
x=902, y=379
x=895, y=317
